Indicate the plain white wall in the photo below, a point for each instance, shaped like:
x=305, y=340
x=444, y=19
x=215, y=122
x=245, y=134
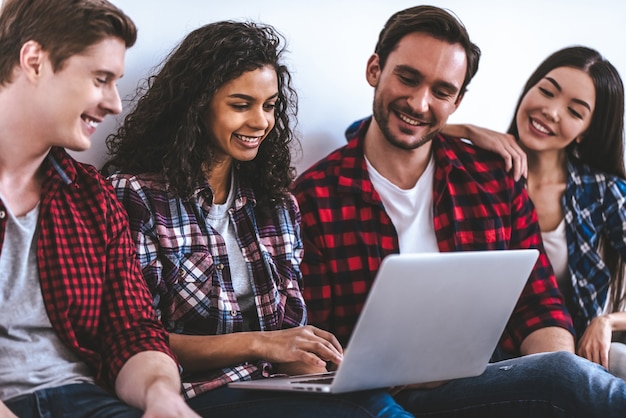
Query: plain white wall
x=329, y=42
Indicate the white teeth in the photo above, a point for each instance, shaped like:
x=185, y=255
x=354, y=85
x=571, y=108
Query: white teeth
x=91, y=122
x=248, y=138
x=408, y=120
x=539, y=127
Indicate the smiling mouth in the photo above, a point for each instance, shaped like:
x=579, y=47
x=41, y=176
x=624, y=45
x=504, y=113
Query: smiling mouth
x=540, y=127
x=413, y=122
x=90, y=121
x=248, y=139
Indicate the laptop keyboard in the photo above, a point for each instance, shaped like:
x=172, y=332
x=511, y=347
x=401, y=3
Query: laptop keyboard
x=319, y=381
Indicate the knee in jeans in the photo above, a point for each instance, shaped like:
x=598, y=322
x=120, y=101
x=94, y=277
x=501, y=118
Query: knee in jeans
x=558, y=364
x=563, y=363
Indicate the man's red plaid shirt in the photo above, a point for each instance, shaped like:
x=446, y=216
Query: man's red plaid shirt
x=477, y=206
x=92, y=287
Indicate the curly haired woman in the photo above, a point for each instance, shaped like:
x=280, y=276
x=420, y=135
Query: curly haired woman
x=202, y=165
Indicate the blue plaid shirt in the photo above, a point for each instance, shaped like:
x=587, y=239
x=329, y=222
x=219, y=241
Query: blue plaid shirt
x=186, y=266
x=594, y=204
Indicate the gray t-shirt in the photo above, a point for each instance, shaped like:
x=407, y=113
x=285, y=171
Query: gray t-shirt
x=31, y=355
x=219, y=218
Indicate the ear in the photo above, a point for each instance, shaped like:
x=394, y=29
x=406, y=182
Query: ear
x=32, y=57
x=373, y=70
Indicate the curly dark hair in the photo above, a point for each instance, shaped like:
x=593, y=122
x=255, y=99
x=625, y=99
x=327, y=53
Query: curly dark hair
x=165, y=133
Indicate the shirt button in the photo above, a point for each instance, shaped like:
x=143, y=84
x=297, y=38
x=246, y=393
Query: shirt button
x=3, y=214
x=181, y=273
x=220, y=266
x=233, y=313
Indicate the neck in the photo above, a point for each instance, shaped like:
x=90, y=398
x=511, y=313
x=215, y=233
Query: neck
x=400, y=166
x=547, y=167
x=23, y=145
x=219, y=180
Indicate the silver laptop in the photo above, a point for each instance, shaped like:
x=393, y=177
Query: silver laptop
x=428, y=317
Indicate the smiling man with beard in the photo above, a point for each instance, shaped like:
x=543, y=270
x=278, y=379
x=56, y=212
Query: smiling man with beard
x=399, y=186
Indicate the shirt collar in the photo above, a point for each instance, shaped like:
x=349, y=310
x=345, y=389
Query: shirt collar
x=59, y=166
x=243, y=191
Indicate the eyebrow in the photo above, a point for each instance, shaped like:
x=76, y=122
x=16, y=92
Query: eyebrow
x=558, y=87
x=250, y=98
x=451, y=88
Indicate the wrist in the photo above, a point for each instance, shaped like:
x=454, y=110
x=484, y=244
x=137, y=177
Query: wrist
x=608, y=320
x=160, y=388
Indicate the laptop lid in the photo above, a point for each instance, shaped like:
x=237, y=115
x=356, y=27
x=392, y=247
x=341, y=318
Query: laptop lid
x=428, y=317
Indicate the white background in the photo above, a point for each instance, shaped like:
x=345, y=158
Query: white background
x=329, y=42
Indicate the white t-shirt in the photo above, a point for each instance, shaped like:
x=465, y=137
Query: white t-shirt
x=411, y=210
x=555, y=244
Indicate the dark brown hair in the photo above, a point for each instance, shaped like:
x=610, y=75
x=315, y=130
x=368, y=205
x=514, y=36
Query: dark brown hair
x=433, y=21
x=602, y=145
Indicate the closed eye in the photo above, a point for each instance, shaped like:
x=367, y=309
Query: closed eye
x=546, y=92
x=575, y=113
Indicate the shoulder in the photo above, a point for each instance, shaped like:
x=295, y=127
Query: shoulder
x=322, y=173
x=84, y=181
x=138, y=181
x=142, y=195
x=479, y=164
x=590, y=181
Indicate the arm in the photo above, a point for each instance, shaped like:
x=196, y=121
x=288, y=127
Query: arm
x=540, y=321
x=303, y=348
x=6, y=412
x=306, y=344
x=136, y=352
x=149, y=380
x=503, y=144
x=209, y=352
x=547, y=339
x=596, y=340
x=595, y=343
x=317, y=288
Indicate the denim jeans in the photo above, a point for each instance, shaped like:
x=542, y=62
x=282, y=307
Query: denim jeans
x=81, y=400
x=541, y=385
x=225, y=402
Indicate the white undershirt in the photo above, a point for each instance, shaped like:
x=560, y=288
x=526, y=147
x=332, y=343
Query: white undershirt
x=411, y=210
x=555, y=244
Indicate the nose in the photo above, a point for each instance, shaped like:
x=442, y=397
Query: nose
x=112, y=101
x=420, y=99
x=260, y=118
x=551, y=112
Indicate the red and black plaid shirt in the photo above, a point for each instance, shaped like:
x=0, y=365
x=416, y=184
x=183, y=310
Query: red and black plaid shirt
x=477, y=206
x=92, y=287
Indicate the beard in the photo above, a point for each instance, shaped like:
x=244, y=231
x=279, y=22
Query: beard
x=382, y=119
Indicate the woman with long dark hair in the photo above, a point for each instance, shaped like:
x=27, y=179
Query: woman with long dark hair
x=569, y=126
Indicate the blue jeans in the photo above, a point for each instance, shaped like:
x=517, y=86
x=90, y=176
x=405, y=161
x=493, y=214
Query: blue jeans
x=81, y=400
x=225, y=402
x=542, y=385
